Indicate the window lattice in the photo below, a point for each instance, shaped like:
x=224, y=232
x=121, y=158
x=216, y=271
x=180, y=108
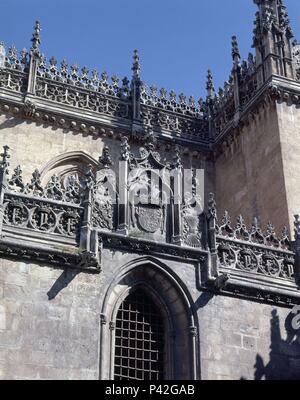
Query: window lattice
x=139, y=347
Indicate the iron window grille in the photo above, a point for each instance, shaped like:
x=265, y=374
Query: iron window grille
x=139, y=339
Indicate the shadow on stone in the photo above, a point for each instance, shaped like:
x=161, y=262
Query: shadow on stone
x=11, y=123
x=284, y=357
x=203, y=300
x=62, y=282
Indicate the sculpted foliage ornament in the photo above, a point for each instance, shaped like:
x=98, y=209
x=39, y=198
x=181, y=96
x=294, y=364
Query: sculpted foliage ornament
x=158, y=109
x=36, y=86
x=192, y=229
x=53, y=190
x=102, y=208
x=16, y=181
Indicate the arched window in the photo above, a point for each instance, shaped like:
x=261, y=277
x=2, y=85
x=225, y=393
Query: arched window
x=139, y=339
x=148, y=326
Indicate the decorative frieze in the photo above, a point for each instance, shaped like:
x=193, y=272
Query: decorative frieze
x=84, y=98
x=32, y=213
x=254, y=251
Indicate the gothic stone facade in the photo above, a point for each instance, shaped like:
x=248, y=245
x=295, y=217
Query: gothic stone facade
x=96, y=289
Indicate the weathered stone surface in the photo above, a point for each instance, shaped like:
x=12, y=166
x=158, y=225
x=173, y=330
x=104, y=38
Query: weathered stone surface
x=42, y=338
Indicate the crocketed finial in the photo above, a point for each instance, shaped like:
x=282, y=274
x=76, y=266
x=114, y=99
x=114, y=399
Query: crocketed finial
x=105, y=159
x=36, y=38
x=4, y=163
x=271, y=13
x=125, y=149
x=177, y=163
x=210, y=85
x=212, y=206
x=89, y=179
x=235, y=50
x=136, y=67
x=297, y=227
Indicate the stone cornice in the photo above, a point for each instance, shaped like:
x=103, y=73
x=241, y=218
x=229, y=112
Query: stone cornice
x=85, y=261
x=86, y=123
x=137, y=245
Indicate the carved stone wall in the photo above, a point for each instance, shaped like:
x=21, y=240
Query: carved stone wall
x=68, y=252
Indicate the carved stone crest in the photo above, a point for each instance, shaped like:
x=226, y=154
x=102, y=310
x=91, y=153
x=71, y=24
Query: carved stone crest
x=150, y=218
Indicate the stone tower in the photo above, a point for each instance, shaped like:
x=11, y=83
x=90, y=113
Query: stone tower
x=260, y=148
x=115, y=262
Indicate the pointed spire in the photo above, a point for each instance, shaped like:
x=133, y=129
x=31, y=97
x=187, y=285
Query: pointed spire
x=136, y=86
x=210, y=85
x=272, y=40
x=2, y=54
x=272, y=13
x=136, y=67
x=36, y=38
x=235, y=51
